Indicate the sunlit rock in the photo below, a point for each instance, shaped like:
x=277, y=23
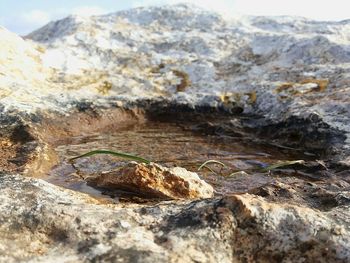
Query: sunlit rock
x=290, y=78
x=153, y=180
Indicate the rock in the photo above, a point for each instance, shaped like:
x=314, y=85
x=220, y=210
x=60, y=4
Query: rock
x=281, y=233
x=44, y=223
x=288, y=76
x=156, y=181
x=104, y=60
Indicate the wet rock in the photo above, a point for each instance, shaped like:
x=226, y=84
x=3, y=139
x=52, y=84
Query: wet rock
x=309, y=132
x=323, y=196
x=155, y=181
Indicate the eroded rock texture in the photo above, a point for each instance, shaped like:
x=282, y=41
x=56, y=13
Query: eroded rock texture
x=286, y=78
x=41, y=222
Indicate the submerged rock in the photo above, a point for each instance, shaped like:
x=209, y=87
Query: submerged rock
x=156, y=181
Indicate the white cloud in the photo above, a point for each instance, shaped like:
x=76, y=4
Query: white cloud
x=321, y=10
x=140, y=3
x=225, y=7
x=88, y=10
x=35, y=17
x=24, y=23
x=314, y=9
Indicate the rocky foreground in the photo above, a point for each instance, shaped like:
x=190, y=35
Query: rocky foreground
x=283, y=80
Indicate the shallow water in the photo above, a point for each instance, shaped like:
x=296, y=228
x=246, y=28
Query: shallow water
x=170, y=145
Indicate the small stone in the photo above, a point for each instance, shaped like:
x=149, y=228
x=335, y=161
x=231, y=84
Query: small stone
x=125, y=224
x=155, y=181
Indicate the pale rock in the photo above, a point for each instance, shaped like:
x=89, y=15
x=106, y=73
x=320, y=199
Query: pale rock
x=45, y=223
x=155, y=181
x=117, y=59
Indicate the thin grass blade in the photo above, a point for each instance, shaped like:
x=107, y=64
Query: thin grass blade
x=208, y=162
x=237, y=173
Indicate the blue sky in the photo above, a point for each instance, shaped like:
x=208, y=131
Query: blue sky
x=24, y=16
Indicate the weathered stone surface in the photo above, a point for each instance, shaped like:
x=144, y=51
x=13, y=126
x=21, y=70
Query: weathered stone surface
x=288, y=77
x=156, y=181
x=43, y=223
x=291, y=72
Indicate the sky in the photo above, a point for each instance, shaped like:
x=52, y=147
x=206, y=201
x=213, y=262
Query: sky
x=24, y=16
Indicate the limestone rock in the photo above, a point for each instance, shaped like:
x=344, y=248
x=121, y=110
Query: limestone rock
x=154, y=180
x=137, y=52
x=134, y=54
x=44, y=223
x=291, y=77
